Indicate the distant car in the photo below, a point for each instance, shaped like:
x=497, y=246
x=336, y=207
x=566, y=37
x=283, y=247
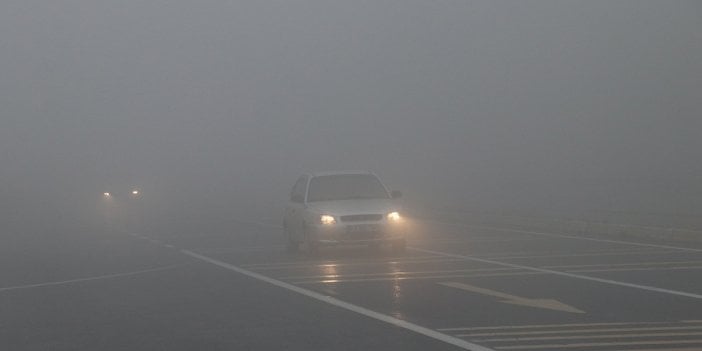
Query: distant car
x=342, y=208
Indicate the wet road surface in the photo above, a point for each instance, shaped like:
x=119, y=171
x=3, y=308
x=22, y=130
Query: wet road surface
x=456, y=287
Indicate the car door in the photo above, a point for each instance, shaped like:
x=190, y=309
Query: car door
x=294, y=212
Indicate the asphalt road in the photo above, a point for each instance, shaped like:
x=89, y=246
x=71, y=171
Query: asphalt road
x=457, y=287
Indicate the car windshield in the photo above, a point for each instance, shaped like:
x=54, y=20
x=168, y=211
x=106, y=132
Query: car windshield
x=345, y=187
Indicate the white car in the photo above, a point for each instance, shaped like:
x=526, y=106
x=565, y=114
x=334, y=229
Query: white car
x=341, y=208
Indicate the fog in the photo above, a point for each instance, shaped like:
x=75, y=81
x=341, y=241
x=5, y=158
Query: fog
x=214, y=108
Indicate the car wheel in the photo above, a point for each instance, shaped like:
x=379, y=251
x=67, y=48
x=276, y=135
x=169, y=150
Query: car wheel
x=399, y=246
x=291, y=244
x=310, y=242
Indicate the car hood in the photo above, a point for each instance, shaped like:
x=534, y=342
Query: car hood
x=354, y=207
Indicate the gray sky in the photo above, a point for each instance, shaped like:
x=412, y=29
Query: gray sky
x=524, y=104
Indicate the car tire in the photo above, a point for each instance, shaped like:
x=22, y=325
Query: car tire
x=291, y=245
x=312, y=245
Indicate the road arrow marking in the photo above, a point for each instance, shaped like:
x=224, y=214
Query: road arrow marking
x=464, y=344
x=548, y=304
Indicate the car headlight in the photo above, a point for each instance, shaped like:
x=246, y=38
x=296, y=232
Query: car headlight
x=327, y=219
x=394, y=217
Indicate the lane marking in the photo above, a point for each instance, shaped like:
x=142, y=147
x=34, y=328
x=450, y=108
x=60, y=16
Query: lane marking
x=675, y=349
x=240, y=250
x=420, y=259
x=345, y=305
x=616, y=252
x=577, y=337
x=338, y=265
x=324, y=264
x=442, y=277
x=633, y=269
x=534, y=326
x=624, y=264
x=565, y=274
x=583, y=331
x=342, y=279
x=587, y=254
x=364, y=280
x=225, y=250
x=108, y=276
x=463, y=225
x=549, y=304
x=568, y=236
x=593, y=344
x=474, y=240
x=391, y=275
x=616, y=267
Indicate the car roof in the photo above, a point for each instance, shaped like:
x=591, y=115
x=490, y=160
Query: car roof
x=330, y=173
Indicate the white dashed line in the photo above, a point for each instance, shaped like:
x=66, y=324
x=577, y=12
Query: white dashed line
x=563, y=236
x=564, y=274
x=345, y=305
x=108, y=276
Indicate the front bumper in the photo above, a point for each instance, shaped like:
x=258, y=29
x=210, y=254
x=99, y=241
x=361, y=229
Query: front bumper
x=356, y=233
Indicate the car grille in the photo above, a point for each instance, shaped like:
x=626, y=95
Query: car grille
x=361, y=218
x=362, y=231
x=361, y=236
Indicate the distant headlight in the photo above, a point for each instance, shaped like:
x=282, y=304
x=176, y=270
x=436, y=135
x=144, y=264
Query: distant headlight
x=394, y=217
x=327, y=219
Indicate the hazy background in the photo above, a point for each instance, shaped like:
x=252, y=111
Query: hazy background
x=213, y=108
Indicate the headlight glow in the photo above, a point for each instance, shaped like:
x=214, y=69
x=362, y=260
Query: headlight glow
x=327, y=219
x=394, y=217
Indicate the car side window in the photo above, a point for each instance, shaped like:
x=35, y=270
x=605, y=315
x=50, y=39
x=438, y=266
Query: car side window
x=298, y=191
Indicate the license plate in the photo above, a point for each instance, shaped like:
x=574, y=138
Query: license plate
x=362, y=228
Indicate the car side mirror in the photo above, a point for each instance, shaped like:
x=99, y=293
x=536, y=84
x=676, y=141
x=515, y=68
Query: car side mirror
x=297, y=198
x=396, y=194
